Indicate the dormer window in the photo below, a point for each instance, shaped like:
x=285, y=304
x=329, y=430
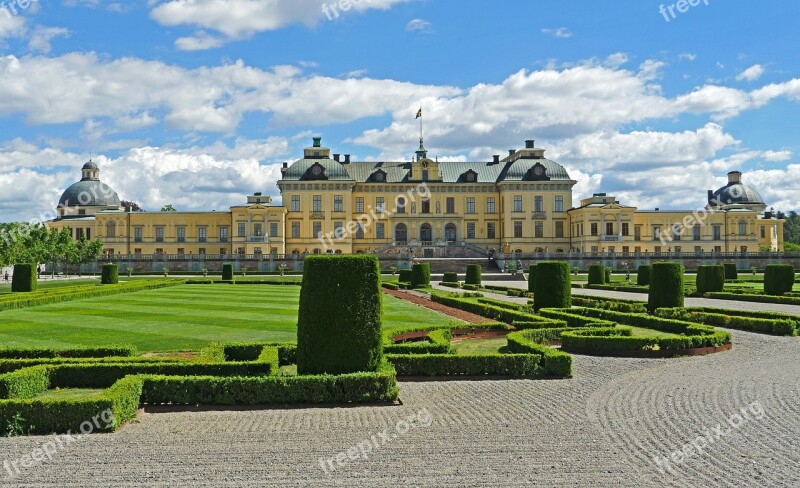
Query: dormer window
x=316, y=172
x=470, y=176
x=379, y=176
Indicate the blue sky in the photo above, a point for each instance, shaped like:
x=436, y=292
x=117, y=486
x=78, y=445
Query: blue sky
x=197, y=102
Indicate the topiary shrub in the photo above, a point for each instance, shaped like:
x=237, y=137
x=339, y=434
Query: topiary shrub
x=24, y=279
x=227, y=272
x=404, y=276
x=778, y=279
x=597, y=274
x=339, y=320
x=607, y=274
x=643, y=275
x=710, y=279
x=666, y=286
x=450, y=277
x=420, y=275
x=552, y=288
x=531, y=277
x=731, y=273
x=109, y=274
x=473, y=275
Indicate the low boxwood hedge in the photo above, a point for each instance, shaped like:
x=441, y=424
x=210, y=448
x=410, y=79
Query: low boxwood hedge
x=513, y=365
x=732, y=320
x=572, y=318
x=390, y=286
x=618, y=305
x=752, y=297
x=72, y=352
x=555, y=363
x=25, y=383
x=615, y=340
x=502, y=314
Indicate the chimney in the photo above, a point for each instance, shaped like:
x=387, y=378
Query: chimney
x=530, y=144
x=346, y=159
x=336, y=157
x=734, y=177
x=710, y=196
x=496, y=159
x=317, y=142
x=512, y=152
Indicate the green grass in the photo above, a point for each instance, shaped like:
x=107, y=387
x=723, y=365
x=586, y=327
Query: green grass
x=185, y=317
x=480, y=346
x=69, y=393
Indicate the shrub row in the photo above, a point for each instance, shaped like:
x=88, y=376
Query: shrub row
x=67, y=293
x=744, y=297
x=453, y=284
x=617, y=305
x=390, y=286
x=782, y=326
x=572, y=318
x=25, y=383
x=610, y=341
x=437, y=339
x=513, y=365
x=501, y=303
x=555, y=363
x=73, y=352
x=493, y=312
x=9, y=365
x=251, y=351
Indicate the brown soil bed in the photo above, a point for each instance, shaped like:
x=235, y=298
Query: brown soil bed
x=437, y=307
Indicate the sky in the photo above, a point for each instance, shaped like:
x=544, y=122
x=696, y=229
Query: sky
x=196, y=103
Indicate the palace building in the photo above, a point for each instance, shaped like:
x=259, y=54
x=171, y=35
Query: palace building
x=520, y=203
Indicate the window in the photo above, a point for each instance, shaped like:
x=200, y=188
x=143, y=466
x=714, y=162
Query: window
x=742, y=228
x=338, y=230
x=202, y=234
x=490, y=230
x=424, y=175
x=181, y=231
x=657, y=250
x=111, y=230
x=538, y=229
x=159, y=234
x=401, y=205
x=241, y=230
x=258, y=231
x=626, y=229
x=359, y=231
x=677, y=230
x=637, y=233
x=490, y=205
x=316, y=229
x=559, y=203
x=609, y=228
x=137, y=234
x=223, y=234
x=257, y=250
x=295, y=230
x=656, y=233
x=181, y=251
x=273, y=229
x=471, y=177
x=518, y=203
x=517, y=228
x=380, y=204
x=763, y=232
x=538, y=204
x=470, y=230
x=559, y=228
x=338, y=203
x=201, y=251
x=359, y=204
x=426, y=206
x=717, y=232
x=626, y=249
x=159, y=250
x=295, y=203
x=470, y=205
x=450, y=205
x=696, y=232
x=317, y=203
x=379, y=176
x=380, y=230
x=594, y=228
x=223, y=251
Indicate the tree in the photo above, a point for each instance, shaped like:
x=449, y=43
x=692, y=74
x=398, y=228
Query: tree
x=84, y=251
x=168, y=208
x=131, y=206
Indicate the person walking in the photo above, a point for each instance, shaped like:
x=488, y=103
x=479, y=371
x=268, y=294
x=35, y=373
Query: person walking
x=6, y=277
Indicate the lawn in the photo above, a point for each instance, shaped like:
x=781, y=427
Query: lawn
x=185, y=317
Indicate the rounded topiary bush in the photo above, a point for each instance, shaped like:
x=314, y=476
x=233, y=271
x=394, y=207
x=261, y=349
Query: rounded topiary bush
x=778, y=279
x=450, y=277
x=109, y=274
x=404, y=276
x=710, y=279
x=597, y=274
x=339, y=319
x=420, y=275
x=666, y=286
x=531, y=278
x=227, y=272
x=24, y=279
x=731, y=273
x=608, y=274
x=643, y=275
x=473, y=275
x=552, y=288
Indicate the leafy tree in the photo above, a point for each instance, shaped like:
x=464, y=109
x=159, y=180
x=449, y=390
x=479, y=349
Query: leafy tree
x=133, y=206
x=168, y=208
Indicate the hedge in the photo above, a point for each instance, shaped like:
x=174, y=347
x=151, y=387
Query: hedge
x=420, y=275
x=436, y=340
x=531, y=277
x=552, y=289
x=597, y=274
x=778, y=326
x=778, y=279
x=666, y=286
x=513, y=365
x=501, y=303
x=555, y=363
x=643, y=275
x=493, y=312
x=24, y=279
x=9, y=365
x=361, y=387
x=744, y=297
x=450, y=277
x=617, y=305
x=731, y=273
x=572, y=318
x=227, y=272
x=610, y=341
x=74, y=352
x=25, y=383
x=473, y=275
x=390, y=286
x=339, y=319
x=109, y=274
x=749, y=313
x=710, y=279
x=450, y=285
x=404, y=276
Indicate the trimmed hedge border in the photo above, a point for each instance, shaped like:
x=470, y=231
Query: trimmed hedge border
x=556, y=364
x=74, y=352
x=773, y=326
x=746, y=297
x=507, y=365
x=615, y=304
x=493, y=312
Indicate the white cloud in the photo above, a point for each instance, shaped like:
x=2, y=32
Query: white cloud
x=41, y=37
x=200, y=41
x=751, y=74
x=419, y=25
x=561, y=32
x=11, y=25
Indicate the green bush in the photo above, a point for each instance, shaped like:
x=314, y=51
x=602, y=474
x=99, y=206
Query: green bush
x=471, y=287
x=745, y=297
x=494, y=312
x=731, y=320
x=513, y=365
x=420, y=275
x=25, y=383
x=390, y=286
x=75, y=352
x=552, y=288
x=531, y=277
x=643, y=275
x=597, y=274
x=404, y=276
x=778, y=279
x=607, y=272
x=618, y=305
x=227, y=272
x=710, y=279
x=450, y=285
x=24, y=279
x=109, y=274
x=556, y=364
x=339, y=320
x=666, y=286
x=731, y=273
x=450, y=277
x=473, y=275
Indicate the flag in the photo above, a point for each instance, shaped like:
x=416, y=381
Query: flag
x=419, y=114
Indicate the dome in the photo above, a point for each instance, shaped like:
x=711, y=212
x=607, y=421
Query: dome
x=735, y=193
x=90, y=191
x=90, y=165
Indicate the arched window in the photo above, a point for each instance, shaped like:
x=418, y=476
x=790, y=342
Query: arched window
x=111, y=229
x=450, y=233
x=401, y=233
x=426, y=233
x=742, y=228
x=401, y=205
